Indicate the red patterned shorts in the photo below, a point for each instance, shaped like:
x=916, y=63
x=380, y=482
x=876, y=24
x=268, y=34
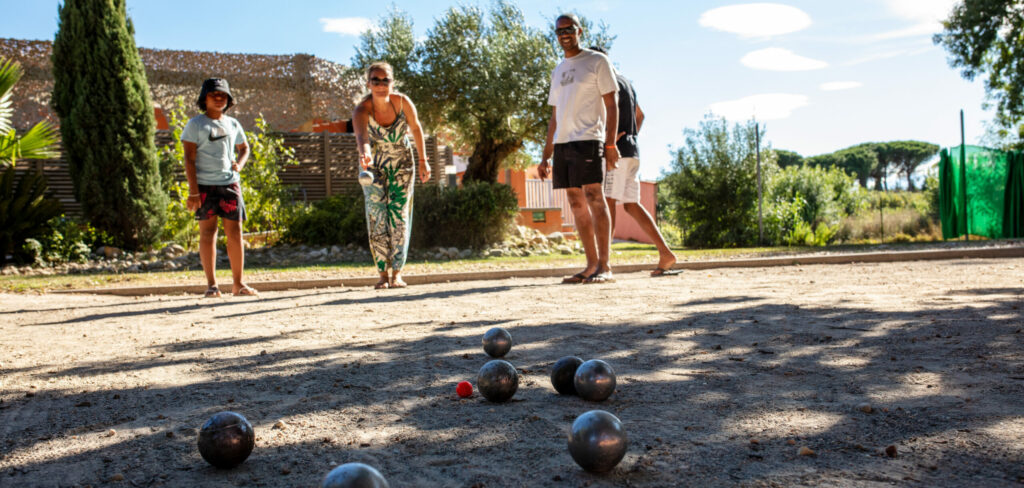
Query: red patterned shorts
x=224, y=201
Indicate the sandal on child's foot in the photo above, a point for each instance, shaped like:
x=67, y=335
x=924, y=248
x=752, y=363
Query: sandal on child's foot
x=212, y=292
x=246, y=291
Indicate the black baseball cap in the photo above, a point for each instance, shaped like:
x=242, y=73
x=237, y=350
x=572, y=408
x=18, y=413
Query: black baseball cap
x=214, y=85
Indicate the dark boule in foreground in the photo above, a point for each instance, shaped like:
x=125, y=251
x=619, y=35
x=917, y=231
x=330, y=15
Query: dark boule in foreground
x=497, y=342
x=497, y=381
x=594, y=380
x=355, y=475
x=597, y=441
x=563, y=374
x=226, y=440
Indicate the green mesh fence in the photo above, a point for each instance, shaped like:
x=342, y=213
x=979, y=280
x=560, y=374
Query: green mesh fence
x=981, y=192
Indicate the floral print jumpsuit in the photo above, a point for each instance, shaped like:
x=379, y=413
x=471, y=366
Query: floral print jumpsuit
x=389, y=198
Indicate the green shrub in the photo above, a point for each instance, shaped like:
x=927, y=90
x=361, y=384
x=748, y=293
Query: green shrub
x=70, y=240
x=477, y=215
x=24, y=210
x=340, y=219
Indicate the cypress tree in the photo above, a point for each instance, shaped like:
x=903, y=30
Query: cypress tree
x=103, y=100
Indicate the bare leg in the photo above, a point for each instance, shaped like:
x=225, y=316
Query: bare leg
x=666, y=258
x=611, y=211
x=236, y=253
x=396, y=279
x=584, y=227
x=602, y=223
x=208, y=249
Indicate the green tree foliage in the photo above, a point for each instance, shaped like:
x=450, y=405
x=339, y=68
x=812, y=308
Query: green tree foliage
x=788, y=158
x=875, y=160
x=713, y=184
x=483, y=77
x=905, y=156
x=102, y=97
x=476, y=215
x=986, y=37
x=37, y=143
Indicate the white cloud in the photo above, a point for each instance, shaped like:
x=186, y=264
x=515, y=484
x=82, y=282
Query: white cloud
x=778, y=59
x=840, y=85
x=926, y=15
x=767, y=106
x=347, y=26
x=756, y=19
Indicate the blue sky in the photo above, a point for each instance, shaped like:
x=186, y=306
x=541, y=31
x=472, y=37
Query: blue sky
x=821, y=74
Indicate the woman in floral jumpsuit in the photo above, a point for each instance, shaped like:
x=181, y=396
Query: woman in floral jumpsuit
x=382, y=122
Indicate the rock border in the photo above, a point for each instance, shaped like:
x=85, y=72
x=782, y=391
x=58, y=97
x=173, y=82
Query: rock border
x=874, y=257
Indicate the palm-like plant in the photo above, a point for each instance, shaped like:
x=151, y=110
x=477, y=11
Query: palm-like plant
x=38, y=141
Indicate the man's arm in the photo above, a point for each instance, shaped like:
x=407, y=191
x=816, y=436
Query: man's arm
x=639, y=118
x=611, y=131
x=544, y=169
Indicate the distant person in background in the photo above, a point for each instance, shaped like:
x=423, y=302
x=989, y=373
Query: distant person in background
x=581, y=136
x=382, y=122
x=622, y=184
x=215, y=153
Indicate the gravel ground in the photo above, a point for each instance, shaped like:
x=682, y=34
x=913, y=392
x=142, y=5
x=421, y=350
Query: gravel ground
x=731, y=377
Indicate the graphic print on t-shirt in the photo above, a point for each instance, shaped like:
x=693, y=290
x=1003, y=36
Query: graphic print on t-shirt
x=568, y=76
x=217, y=133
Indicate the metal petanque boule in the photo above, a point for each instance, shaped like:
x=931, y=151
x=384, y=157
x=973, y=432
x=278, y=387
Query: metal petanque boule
x=563, y=374
x=497, y=381
x=355, y=475
x=497, y=342
x=597, y=441
x=594, y=380
x=226, y=440
x=366, y=177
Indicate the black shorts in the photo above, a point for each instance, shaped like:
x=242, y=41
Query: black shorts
x=224, y=201
x=577, y=163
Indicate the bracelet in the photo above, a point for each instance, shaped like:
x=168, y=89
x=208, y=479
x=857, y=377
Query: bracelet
x=190, y=195
x=610, y=146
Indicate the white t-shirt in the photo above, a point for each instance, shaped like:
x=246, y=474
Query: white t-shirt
x=577, y=84
x=215, y=142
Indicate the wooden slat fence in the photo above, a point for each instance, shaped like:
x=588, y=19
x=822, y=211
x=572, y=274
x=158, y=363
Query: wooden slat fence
x=327, y=166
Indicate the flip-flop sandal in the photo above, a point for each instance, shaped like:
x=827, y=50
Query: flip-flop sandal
x=247, y=291
x=575, y=279
x=600, y=277
x=212, y=292
x=659, y=272
x=382, y=285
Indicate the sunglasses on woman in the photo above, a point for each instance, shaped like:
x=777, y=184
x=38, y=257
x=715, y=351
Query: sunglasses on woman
x=380, y=81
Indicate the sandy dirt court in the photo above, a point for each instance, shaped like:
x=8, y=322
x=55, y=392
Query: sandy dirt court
x=724, y=377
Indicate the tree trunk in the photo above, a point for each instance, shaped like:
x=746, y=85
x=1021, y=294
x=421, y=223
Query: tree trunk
x=485, y=162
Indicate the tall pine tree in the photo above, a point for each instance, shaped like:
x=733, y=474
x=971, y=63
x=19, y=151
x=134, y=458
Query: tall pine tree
x=102, y=97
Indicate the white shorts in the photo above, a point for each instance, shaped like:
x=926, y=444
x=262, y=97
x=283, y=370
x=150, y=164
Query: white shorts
x=623, y=183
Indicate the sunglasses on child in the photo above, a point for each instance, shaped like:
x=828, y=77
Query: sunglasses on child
x=380, y=81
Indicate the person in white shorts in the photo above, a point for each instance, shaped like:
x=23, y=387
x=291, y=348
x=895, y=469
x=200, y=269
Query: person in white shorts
x=622, y=184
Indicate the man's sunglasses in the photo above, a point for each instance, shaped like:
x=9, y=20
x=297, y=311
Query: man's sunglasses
x=380, y=81
x=566, y=31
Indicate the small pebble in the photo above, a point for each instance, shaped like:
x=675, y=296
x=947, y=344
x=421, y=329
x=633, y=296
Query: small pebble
x=280, y=424
x=791, y=442
x=117, y=477
x=755, y=441
x=111, y=433
x=891, y=451
x=806, y=451
x=865, y=407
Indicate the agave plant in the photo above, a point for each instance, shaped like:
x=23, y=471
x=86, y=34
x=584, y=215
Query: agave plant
x=38, y=141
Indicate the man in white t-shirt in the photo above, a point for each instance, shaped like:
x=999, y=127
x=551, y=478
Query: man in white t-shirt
x=581, y=134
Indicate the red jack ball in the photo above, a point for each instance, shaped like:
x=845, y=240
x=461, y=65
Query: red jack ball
x=464, y=389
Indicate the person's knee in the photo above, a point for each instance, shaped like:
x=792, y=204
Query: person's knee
x=595, y=196
x=208, y=232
